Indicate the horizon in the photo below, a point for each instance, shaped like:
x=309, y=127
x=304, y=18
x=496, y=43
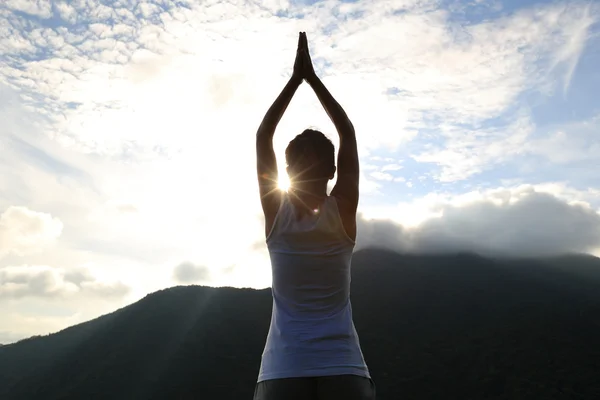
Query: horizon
x=370, y=249
x=128, y=161
x=187, y=285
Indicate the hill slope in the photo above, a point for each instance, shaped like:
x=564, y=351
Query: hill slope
x=431, y=327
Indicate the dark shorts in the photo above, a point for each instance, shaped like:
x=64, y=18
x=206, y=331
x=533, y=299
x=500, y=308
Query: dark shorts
x=346, y=387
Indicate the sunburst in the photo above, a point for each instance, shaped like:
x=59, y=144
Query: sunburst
x=283, y=182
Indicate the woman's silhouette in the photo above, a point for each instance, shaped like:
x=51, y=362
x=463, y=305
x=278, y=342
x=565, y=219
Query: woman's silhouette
x=312, y=350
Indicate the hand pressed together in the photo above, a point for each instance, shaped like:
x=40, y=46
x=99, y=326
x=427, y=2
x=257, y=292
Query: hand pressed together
x=303, y=68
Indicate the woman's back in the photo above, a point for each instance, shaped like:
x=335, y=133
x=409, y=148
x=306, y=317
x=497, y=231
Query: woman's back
x=312, y=332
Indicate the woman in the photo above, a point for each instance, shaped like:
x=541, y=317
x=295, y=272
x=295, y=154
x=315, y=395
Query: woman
x=312, y=349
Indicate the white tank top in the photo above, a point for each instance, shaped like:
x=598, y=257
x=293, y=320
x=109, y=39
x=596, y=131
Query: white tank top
x=312, y=332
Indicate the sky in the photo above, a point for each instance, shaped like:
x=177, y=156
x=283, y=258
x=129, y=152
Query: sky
x=127, y=159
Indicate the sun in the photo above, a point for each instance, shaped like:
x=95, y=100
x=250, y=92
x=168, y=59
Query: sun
x=283, y=183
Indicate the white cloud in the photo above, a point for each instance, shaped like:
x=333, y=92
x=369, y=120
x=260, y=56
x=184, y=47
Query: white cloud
x=460, y=73
x=570, y=143
x=48, y=282
x=38, y=8
x=454, y=79
x=467, y=152
x=391, y=167
x=23, y=230
x=520, y=221
x=382, y=176
x=186, y=272
x=569, y=53
x=66, y=11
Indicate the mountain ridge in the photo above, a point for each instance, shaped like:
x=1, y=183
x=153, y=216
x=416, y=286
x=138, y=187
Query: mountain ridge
x=457, y=325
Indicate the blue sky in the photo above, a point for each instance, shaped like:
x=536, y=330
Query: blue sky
x=127, y=142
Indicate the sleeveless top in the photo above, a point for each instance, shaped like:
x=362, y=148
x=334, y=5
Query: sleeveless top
x=311, y=332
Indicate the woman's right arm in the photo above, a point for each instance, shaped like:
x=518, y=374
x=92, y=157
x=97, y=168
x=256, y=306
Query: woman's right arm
x=346, y=187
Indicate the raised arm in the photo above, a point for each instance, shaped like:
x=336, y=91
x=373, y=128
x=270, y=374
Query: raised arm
x=346, y=187
x=266, y=163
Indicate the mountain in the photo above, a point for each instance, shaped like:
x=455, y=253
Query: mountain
x=431, y=327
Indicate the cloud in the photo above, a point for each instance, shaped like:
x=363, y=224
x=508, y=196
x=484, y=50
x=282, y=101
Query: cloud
x=503, y=222
x=38, y=8
x=468, y=152
x=66, y=11
x=105, y=289
x=186, y=272
x=569, y=54
x=23, y=230
x=571, y=143
x=154, y=82
x=50, y=282
x=411, y=63
x=381, y=176
x=392, y=167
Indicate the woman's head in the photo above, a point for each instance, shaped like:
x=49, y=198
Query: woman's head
x=310, y=156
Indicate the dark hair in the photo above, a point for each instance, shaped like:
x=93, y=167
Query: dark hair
x=318, y=143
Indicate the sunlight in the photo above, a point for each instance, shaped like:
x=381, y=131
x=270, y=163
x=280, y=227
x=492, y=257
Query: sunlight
x=283, y=182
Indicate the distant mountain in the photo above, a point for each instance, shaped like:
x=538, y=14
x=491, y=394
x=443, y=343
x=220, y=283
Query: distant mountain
x=431, y=327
